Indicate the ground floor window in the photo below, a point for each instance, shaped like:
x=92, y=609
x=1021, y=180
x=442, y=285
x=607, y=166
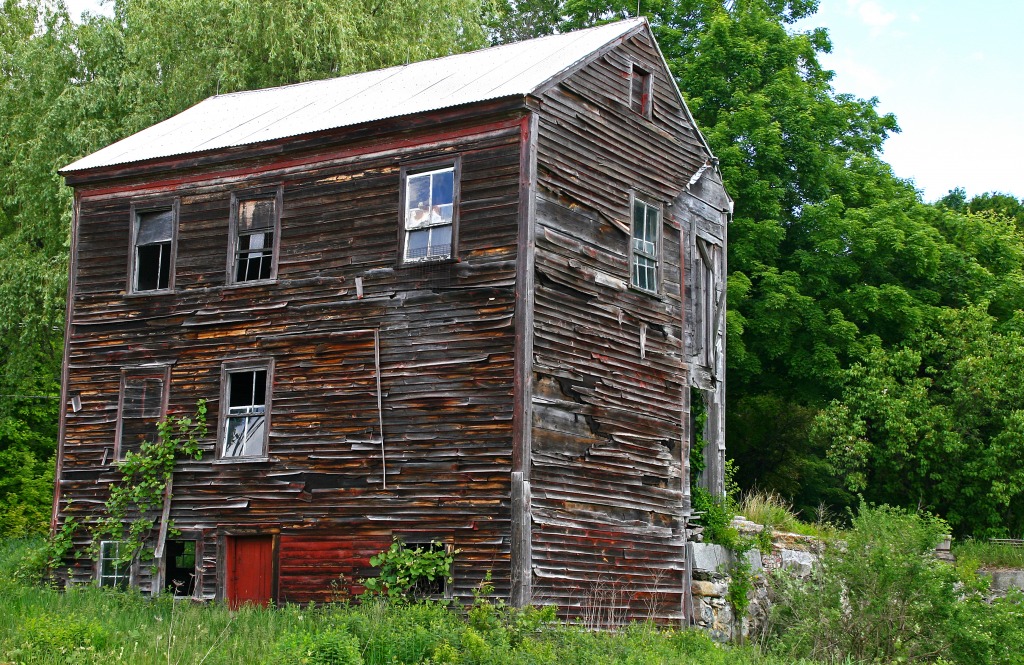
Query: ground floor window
x=113, y=571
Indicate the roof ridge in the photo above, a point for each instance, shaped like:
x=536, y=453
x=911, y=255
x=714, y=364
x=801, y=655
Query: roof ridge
x=497, y=47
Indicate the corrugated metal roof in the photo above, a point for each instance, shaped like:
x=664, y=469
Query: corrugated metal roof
x=244, y=118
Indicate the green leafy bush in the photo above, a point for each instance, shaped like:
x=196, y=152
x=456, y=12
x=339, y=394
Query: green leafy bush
x=409, y=572
x=883, y=597
x=327, y=647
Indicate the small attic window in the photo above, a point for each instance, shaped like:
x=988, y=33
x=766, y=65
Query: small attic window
x=640, y=92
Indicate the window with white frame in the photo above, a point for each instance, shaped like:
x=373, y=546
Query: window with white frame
x=244, y=418
x=113, y=572
x=152, y=249
x=254, y=224
x=429, y=214
x=645, y=246
x=142, y=407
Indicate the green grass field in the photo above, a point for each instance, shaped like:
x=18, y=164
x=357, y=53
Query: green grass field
x=92, y=625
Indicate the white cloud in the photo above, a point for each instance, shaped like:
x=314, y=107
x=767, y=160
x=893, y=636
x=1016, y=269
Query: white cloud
x=871, y=13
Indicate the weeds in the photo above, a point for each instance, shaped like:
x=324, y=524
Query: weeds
x=976, y=553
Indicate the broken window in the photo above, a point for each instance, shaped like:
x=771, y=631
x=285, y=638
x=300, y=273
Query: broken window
x=709, y=291
x=181, y=567
x=141, y=407
x=429, y=214
x=153, y=245
x=255, y=226
x=423, y=585
x=244, y=421
x=640, y=92
x=113, y=571
x=645, y=246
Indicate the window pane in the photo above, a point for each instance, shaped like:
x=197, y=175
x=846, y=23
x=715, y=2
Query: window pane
x=143, y=397
x=442, y=187
x=244, y=436
x=255, y=256
x=247, y=388
x=154, y=227
x=245, y=425
x=441, y=241
x=644, y=273
x=112, y=573
x=257, y=214
x=417, y=197
x=416, y=243
x=651, y=227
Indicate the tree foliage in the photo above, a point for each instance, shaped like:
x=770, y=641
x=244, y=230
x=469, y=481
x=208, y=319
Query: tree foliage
x=68, y=89
x=843, y=282
x=838, y=269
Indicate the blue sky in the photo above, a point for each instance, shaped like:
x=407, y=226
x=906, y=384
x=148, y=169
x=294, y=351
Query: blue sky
x=953, y=74
x=951, y=71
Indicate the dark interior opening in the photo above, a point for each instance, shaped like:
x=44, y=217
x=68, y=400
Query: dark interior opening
x=181, y=567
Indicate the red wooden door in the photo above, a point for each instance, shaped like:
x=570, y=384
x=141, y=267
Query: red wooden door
x=250, y=570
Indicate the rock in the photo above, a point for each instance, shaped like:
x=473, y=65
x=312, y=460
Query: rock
x=1002, y=580
x=799, y=562
x=709, y=558
x=705, y=589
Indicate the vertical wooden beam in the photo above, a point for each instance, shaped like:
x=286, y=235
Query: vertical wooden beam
x=522, y=418
x=68, y=313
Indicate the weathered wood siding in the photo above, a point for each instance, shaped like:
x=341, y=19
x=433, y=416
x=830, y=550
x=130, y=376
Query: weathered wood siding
x=446, y=346
x=610, y=419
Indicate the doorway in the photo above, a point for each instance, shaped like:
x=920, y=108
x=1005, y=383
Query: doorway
x=250, y=570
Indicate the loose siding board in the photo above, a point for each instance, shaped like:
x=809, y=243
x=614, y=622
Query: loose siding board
x=610, y=435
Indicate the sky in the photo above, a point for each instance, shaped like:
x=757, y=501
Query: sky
x=951, y=71
x=953, y=74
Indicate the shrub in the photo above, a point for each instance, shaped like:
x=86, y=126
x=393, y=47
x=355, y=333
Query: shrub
x=326, y=647
x=883, y=597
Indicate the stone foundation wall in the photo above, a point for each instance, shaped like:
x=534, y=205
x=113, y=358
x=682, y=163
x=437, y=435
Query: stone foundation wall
x=710, y=565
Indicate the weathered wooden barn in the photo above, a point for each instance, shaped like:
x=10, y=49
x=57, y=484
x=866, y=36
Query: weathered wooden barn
x=464, y=300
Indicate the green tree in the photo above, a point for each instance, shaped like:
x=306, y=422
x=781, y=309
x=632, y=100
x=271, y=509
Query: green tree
x=68, y=89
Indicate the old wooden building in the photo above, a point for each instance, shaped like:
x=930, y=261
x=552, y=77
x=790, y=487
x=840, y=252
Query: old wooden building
x=464, y=300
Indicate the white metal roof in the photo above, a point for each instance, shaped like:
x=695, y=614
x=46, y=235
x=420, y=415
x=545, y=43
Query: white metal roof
x=244, y=118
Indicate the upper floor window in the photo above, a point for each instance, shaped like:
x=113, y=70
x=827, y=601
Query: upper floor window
x=645, y=246
x=429, y=213
x=141, y=407
x=640, y=92
x=254, y=233
x=709, y=294
x=244, y=416
x=152, y=258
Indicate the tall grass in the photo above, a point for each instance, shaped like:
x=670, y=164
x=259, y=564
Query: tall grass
x=40, y=625
x=979, y=553
x=773, y=511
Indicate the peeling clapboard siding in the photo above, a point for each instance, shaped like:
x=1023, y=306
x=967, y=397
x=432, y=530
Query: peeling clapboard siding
x=445, y=332
x=610, y=373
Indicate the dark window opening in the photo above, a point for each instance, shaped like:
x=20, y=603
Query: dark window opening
x=181, y=567
x=245, y=427
x=640, y=92
x=154, y=233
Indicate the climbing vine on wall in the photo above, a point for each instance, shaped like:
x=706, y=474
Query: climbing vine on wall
x=132, y=512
